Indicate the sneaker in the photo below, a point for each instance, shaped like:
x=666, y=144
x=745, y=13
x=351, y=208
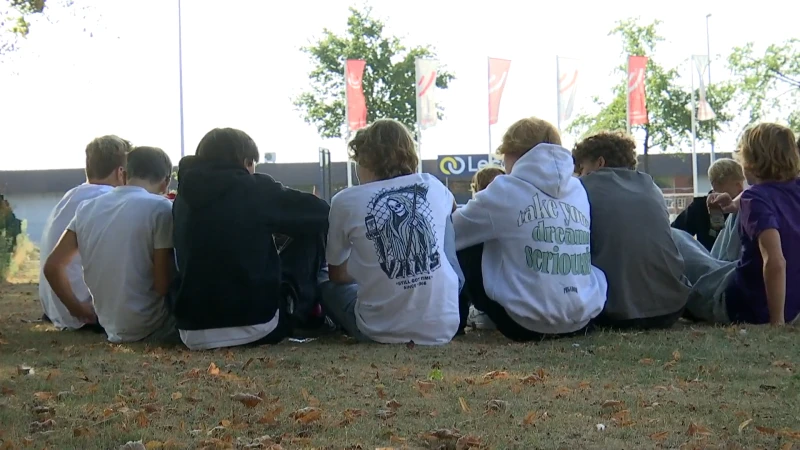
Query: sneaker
x=479, y=320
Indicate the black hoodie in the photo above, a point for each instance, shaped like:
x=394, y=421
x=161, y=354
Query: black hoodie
x=224, y=219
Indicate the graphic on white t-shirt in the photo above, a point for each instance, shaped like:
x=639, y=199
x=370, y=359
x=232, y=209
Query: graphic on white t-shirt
x=399, y=225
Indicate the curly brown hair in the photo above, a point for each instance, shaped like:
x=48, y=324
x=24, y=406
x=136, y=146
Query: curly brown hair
x=483, y=177
x=617, y=149
x=768, y=152
x=386, y=148
x=527, y=133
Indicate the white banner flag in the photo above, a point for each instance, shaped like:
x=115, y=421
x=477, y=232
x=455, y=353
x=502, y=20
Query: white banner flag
x=704, y=111
x=567, y=87
x=426, y=70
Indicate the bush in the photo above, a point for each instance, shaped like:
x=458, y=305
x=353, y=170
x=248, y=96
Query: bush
x=11, y=238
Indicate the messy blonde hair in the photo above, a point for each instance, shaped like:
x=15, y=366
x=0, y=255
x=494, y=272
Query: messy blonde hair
x=768, y=152
x=725, y=169
x=483, y=177
x=527, y=133
x=386, y=148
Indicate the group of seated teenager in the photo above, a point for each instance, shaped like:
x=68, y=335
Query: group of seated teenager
x=555, y=244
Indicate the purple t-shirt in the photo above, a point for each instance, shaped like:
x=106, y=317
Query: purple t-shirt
x=766, y=206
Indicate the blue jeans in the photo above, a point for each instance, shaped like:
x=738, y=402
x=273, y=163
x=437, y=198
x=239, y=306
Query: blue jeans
x=339, y=300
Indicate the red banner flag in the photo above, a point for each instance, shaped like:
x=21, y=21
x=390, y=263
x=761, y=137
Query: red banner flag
x=498, y=74
x=356, y=104
x=637, y=99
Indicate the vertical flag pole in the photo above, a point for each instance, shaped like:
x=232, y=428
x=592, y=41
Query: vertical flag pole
x=628, y=96
x=713, y=121
x=419, y=122
x=694, y=130
x=558, y=92
x=489, y=104
x=347, y=129
x=180, y=76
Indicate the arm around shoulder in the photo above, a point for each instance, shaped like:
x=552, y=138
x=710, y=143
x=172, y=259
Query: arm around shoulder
x=297, y=212
x=473, y=222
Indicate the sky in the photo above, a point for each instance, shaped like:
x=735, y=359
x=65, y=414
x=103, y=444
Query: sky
x=116, y=70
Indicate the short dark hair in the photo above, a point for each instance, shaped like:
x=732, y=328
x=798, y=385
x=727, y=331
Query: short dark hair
x=386, y=148
x=616, y=148
x=104, y=155
x=227, y=146
x=150, y=164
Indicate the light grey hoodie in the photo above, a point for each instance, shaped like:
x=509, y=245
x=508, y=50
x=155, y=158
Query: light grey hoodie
x=534, y=223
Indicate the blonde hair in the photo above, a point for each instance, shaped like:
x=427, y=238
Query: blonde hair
x=725, y=169
x=527, y=133
x=386, y=148
x=768, y=152
x=483, y=177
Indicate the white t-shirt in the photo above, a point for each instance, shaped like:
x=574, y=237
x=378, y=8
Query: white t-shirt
x=117, y=234
x=56, y=223
x=391, y=233
x=227, y=337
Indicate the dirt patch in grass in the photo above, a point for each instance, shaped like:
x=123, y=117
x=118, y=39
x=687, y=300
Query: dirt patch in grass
x=691, y=387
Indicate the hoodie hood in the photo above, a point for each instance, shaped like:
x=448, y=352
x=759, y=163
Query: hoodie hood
x=201, y=183
x=549, y=167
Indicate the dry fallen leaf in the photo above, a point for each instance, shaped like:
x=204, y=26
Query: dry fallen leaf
x=463, y=403
x=468, y=442
x=385, y=414
x=676, y=355
x=176, y=396
x=393, y=404
x=496, y=406
x=43, y=396
x=81, y=431
x=529, y=418
x=659, y=436
x=612, y=404
x=37, y=427
x=154, y=445
x=496, y=375
x=697, y=430
x=425, y=387
x=646, y=361
x=271, y=416
x=744, y=424
x=248, y=400
x=142, y=420
x=766, y=430
x=381, y=390
x=442, y=434
x=247, y=364
x=307, y=415
x=213, y=369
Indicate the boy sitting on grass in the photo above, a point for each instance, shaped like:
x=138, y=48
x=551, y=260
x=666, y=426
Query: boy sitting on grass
x=391, y=280
x=524, y=241
x=727, y=177
x=125, y=241
x=763, y=287
x=631, y=236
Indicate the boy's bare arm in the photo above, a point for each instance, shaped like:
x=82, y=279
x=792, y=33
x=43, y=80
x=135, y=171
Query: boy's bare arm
x=338, y=274
x=769, y=241
x=163, y=270
x=55, y=271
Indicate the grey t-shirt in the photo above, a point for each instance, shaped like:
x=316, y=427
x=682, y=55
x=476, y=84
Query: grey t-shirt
x=632, y=243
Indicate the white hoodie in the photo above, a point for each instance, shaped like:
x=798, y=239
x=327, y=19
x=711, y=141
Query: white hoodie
x=534, y=223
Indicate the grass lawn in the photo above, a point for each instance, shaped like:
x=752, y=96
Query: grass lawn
x=691, y=387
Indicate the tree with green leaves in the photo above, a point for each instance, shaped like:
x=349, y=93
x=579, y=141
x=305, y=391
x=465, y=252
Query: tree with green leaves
x=670, y=121
x=389, y=81
x=17, y=18
x=769, y=83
